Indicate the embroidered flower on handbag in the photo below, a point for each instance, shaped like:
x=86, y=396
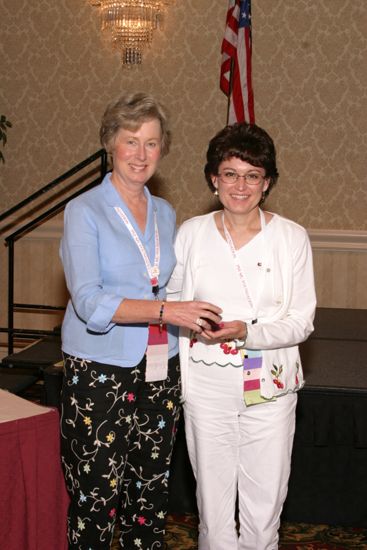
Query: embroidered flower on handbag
x=277, y=372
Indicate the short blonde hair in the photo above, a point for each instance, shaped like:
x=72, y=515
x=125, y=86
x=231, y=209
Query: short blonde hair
x=129, y=112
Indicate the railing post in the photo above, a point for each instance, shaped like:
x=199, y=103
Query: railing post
x=103, y=164
x=10, y=296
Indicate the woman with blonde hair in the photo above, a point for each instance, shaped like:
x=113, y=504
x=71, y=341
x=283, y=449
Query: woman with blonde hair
x=121, y=389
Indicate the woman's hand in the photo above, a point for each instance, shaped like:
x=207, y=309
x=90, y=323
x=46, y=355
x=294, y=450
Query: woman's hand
x=197, y=316
x=229, y=330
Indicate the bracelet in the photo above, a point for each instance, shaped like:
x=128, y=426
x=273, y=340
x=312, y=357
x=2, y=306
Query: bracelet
x=160, y=320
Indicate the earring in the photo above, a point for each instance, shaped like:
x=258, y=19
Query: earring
x=216, y=192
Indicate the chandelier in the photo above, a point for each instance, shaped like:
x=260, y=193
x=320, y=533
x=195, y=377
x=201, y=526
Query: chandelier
x=130, y=24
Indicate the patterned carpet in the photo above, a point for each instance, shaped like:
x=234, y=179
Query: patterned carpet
x=181, y=532
x=182, y=535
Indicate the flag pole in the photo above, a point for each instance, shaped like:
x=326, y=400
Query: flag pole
x=230, y=89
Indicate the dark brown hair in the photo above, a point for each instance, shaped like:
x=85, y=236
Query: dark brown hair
x=247, y=142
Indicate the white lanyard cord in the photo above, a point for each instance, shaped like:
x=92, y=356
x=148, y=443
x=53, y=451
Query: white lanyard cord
x=239, y=268
x=153, y=270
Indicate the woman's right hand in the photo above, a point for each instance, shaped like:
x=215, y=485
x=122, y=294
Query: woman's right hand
x=195, y=315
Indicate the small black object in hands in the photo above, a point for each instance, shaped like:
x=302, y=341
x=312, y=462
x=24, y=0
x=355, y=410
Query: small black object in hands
x=213, y=326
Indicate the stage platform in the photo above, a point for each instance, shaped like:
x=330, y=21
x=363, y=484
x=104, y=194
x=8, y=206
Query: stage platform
x=328, y=482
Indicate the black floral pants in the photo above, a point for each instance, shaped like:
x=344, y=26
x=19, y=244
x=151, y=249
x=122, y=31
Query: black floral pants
x=117, y=434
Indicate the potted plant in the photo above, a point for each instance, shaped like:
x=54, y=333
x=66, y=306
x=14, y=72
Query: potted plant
x=4, y=125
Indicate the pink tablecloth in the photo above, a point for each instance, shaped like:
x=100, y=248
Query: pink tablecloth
x=33, y=497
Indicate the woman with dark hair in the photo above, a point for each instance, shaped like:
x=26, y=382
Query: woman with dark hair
x=121, y=389
x=240, y=378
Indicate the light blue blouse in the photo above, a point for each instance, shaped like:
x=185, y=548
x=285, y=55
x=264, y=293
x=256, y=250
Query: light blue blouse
x=102, y=266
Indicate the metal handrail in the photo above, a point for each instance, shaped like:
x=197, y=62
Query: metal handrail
x=35, y=222
x=47, y=214
x=101, y=153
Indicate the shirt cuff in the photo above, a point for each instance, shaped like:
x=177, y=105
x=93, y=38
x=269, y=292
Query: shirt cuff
x=100, y=320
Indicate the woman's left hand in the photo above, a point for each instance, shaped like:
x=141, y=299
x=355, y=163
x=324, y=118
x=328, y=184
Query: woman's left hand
x=229, y=330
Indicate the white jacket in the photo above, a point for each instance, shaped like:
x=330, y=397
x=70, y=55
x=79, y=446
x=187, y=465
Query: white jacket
x=278, y=336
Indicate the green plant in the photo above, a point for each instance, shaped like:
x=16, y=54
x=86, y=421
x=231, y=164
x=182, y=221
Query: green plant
x=4, y=125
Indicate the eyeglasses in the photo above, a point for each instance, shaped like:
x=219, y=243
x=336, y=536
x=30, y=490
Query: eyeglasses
x=251, y=178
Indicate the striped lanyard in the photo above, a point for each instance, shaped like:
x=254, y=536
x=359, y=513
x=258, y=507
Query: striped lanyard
x=153, y=270
x=239, y=270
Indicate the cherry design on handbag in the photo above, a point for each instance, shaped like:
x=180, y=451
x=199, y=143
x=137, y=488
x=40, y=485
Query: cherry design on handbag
x=193, y=341
x=277, y=372
x=297, y=371
x=229, y=348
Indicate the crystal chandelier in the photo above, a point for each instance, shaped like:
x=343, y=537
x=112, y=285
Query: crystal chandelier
x=130, y=24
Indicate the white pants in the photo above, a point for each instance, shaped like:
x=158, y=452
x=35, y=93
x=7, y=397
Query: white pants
x=237, y=451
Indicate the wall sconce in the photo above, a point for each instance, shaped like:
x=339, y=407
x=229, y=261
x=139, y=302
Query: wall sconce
x=131, y=24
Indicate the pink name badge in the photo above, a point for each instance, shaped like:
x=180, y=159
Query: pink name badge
x=157, y=354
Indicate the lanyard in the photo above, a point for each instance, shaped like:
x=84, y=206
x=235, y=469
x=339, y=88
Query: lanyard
x=153, y=270
x=239, y=270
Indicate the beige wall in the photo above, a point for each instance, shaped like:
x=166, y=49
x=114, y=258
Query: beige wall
x=58, y=73
x=309, y=76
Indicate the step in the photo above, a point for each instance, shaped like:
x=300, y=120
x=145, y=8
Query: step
x=16, y=383
x=37, y=356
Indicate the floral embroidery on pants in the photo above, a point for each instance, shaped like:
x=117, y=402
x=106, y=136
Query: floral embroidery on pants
x=117, y=433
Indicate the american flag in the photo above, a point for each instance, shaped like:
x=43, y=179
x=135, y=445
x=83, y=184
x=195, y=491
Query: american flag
x=235, y=74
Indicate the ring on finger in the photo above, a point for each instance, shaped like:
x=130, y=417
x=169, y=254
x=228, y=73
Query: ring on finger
x=199, y=321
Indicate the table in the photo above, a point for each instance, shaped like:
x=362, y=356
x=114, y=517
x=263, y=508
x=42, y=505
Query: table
x=33, y=497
